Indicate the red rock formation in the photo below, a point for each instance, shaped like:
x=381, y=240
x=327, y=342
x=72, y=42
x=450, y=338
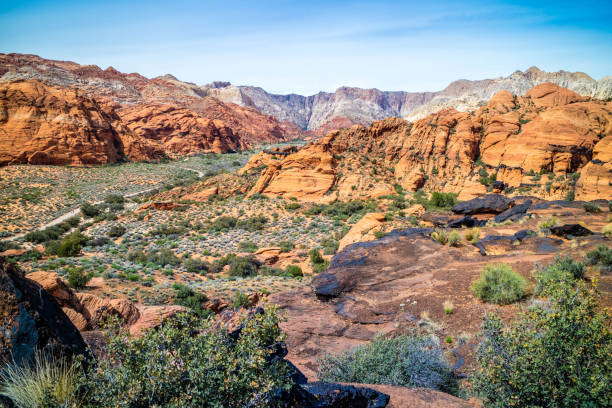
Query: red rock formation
x=69, y=118
x=40, y=124
x=512, y=139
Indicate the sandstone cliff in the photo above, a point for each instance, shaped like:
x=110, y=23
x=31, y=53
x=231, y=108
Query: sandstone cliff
x=73, y=134
x=549, y=143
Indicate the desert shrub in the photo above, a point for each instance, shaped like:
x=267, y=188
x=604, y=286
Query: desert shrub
x=46, y=381
x=600, y=256
x=292, y=206
x=610, y=205
x=98, y=241
x=407, y=361
x=187, y=362
x=164, y=257
x=78, y=278
x=53, y=232
x=243, y=266
x=441, y=236
x=562, y=269
x=164, y=230
x=442, y=200
x=185, y=296
x=329, y=246
x=607, y=230
x=114, y=199
x=547, y=224
x=256, y=223
x=570, y=196
x=6, y=245
x=241, y=300
x=71, y=245
x=378, y=234
x=591, y=208
x=286, y=246
x=247, y=246
x=556, y=354
x=454, y=238
x=138, y=256
x=195, y=265
x=500, y=284
x=472, y=235
x=294, y=271
x=90, y=210
x=342, y=209
x=319, y=264
x=223, y=223
x=116, y=231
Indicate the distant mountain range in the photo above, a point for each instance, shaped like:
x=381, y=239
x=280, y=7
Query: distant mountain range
x=363, y=106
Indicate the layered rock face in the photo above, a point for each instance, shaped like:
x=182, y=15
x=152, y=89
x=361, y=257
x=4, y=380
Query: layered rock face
x=549, y=143
x=40, y=124
x=57, y=112
x=32, y=320
x=363, y=106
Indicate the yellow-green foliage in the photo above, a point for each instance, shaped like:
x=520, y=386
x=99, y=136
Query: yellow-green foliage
x=556, y=354
x=44, y=382
x=499, y=283
x=472, y=235
x=440, y=235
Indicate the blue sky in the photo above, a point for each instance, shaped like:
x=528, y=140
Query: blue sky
x=308, y=46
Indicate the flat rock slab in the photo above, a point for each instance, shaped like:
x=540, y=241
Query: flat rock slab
x=489, y=204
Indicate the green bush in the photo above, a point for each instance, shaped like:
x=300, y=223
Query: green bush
x=114, y=199
x=195, y=265
x=185, y=296
x=247, y=246
x=187, y=362
x=454, y=239
x=294, y=271
x=90, y=210
x=329, y=246
x=342, y=210
x=556, y=354
x=164, y=257
x=562, y=269
x=223, y=223
x=241, y=300
x=71, y=245
x=256, y=223
x=77, y=278
x=243, y=266
x=442, y=200
x=591, y=208
x=500, y=284
x=440, y=236
x=316, y=257
x=116, y=231
x=286, y=246
x=53, y=232
x=600, y=256
x=407, y=361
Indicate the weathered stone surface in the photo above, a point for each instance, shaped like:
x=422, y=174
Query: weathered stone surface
x=514, y=212
x=492, y=203
x=31, y=319
x=571, y=230
x=363, y=230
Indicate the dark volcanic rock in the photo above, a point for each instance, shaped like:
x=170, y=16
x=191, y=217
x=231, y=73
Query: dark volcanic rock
x=571, y=230
x=525, y=241
x=492, y=203
x=514, y=212
x=466, y=221
x=32, y=319
x=326, y=395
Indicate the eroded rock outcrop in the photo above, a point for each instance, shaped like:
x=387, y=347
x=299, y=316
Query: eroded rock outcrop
x=31, y=319
x=539, y=144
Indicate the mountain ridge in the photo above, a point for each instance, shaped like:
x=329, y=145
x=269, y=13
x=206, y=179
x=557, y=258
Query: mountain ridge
x=363, y=106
